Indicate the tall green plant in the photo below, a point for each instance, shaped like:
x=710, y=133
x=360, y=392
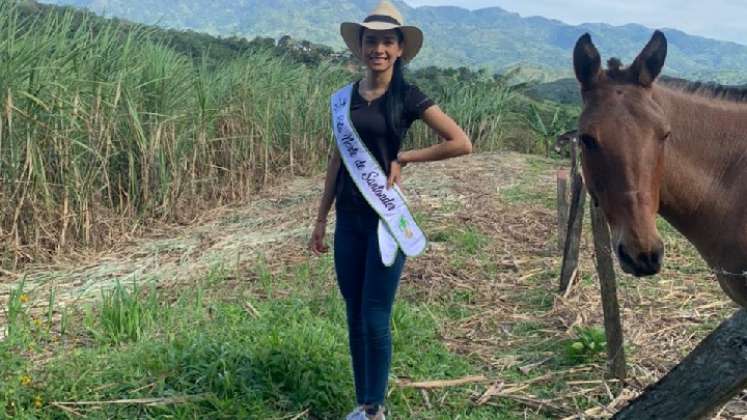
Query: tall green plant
x=104, y=127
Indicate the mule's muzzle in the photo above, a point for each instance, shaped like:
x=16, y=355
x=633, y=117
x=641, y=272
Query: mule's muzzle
x=643, y=264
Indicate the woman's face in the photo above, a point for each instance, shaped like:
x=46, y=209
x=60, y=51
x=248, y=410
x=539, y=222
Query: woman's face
x=381, y=49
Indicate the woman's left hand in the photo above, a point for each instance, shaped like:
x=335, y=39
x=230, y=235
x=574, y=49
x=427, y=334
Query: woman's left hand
x=395, y=174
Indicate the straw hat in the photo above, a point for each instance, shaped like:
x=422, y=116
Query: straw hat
x=383, y=18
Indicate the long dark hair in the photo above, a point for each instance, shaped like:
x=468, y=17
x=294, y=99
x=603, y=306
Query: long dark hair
x=395, y=102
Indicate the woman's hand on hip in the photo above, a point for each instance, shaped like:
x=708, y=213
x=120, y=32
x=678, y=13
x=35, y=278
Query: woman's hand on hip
x=395, y=174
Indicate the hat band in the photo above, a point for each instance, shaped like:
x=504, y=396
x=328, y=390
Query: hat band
x=382, y=18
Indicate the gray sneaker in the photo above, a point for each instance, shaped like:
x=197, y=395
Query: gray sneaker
x=379, y=415
x=357, y=414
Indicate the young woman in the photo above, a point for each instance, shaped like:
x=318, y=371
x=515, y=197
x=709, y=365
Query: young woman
x=374, y=230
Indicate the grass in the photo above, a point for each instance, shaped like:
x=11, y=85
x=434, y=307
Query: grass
x=284, y=355
x=530, y=188
x=589, y=344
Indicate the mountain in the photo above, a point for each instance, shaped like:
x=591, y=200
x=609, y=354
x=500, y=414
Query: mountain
x=492, y=38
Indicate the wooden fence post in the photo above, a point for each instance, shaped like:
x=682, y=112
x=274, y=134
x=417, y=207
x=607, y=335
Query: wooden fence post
x=607, y=285
x=571, y=244
x=573, y=240
x=562, y=179
x=713, y=373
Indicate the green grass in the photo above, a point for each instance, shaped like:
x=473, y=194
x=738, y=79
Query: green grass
x=530, y=188
x=588, y=345
x=470, y=241
x=123, y=315
x=270, y=344
x=208, y=343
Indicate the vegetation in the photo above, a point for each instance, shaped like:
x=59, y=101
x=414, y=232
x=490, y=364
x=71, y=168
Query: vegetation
x=207, y=355
x=108, y=125
x=564, y=91
x=590, y=344
x=489, y=38
x=102, y=126
x=259, y=332
x=201, y=47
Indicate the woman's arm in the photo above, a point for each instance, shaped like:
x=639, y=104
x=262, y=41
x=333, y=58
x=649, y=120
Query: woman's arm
x=457, y=143
x=316, y=243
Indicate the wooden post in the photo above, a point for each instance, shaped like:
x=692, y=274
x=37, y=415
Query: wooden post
x=573, y=240
x=562, y=177
x=574, y=157
x=706, y=379
x=606, y=271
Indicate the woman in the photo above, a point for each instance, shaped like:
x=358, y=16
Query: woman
x=370, y=119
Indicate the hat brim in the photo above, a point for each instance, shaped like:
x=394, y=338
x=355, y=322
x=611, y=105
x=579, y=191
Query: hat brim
x=413, y=37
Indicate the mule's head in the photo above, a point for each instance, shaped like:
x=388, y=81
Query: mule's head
x=623, y=133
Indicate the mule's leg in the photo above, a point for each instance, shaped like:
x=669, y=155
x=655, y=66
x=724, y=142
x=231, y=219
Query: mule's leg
x=735, y=287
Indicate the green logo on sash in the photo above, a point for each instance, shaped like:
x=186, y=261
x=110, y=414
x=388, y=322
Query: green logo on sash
x=404, y=228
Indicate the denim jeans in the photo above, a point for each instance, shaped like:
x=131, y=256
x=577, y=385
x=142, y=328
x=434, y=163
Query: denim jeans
x=368, y=287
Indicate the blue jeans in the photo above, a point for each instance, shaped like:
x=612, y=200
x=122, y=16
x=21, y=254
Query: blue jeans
x=368, y=287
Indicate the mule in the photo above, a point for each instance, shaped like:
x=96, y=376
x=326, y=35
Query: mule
x=670, y=147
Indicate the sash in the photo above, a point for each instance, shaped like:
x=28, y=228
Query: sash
x=397, y=228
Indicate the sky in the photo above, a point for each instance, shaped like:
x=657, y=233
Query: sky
x=718, y=19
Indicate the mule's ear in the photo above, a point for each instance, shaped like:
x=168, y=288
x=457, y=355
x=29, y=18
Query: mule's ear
x=647, y=66
x=586, y=62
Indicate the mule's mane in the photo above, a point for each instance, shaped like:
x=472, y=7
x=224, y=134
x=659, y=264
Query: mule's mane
x=616, y=72
x=707, y=89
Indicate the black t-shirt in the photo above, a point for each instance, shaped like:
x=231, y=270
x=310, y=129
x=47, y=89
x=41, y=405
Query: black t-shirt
x=369, y=121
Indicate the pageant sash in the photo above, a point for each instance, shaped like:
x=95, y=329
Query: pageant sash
x=397, y=228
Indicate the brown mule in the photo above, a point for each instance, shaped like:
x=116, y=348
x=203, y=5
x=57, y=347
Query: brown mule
x=672, y=147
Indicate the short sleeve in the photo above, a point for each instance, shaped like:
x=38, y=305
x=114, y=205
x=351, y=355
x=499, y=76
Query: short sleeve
x=416, y=102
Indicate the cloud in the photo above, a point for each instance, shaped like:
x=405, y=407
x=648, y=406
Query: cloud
x=719, y=19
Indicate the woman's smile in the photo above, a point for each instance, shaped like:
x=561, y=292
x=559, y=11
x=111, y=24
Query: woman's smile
x=377, y=60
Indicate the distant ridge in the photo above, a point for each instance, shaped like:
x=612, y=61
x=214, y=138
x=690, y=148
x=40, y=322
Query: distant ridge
x=492, y=38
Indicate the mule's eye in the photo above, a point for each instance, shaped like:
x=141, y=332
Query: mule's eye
x=667, y=136
x=589, y=142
